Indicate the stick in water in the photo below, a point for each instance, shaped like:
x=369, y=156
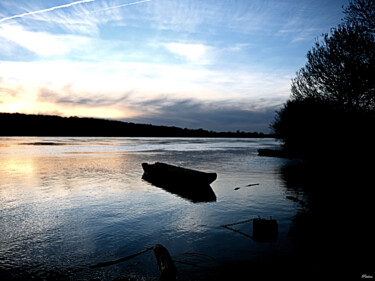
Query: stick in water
x=251, y=184
x=102, y=264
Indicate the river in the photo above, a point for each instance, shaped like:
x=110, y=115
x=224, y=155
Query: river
x=69, y=203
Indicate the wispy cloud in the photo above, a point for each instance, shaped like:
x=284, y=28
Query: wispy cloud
x=81, y=19
x=42, y=43
x=45, y=10
x=150, y=79
x=195, y=53
x=69, y=96
x=118, y=6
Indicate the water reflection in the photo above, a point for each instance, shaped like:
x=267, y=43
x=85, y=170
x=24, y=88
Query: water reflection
x=195, y=194
x=65, y=207
x=57, y=208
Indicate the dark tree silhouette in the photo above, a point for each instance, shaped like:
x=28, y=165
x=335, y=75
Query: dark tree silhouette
x=361, y=12
x=312, y=128
x=340, y=68
x=16, y=124
x=332, y=104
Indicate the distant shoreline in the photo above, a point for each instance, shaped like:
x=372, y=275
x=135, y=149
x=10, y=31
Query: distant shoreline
x=32, y=125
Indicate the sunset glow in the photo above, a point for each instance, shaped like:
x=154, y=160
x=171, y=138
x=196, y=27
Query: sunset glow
x=215, y=65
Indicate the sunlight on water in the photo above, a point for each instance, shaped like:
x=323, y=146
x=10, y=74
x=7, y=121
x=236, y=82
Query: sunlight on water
x=68, y=203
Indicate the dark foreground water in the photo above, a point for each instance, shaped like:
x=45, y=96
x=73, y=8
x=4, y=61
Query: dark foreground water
x=69, y=203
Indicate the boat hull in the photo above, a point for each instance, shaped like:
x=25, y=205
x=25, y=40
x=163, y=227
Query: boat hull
x=173, y=174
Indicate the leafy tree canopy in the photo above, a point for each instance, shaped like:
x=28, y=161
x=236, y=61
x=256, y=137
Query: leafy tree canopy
x=361, y=12
x=340, y=68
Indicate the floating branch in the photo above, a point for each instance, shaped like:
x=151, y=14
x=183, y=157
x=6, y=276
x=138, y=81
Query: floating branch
x=238, y=231
x=295, y=199
x=108, y=263
x=228, y=226
x=168, y=271
x=252, y=184
x=263, y=230
x=241, y=222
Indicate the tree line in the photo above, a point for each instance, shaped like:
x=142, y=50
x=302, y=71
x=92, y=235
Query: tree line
x=16, y=124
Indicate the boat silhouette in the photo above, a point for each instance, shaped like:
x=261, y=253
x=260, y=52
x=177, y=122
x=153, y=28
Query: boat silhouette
x=189, y=184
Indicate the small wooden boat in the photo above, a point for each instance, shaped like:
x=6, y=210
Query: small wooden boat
x=174, y=174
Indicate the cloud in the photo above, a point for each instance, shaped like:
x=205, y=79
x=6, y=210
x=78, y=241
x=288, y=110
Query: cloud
x=150, y=80
x=6, y=90
x=152, y=90
x=119, y=6
x=204, y=17
x=191, y=113
x=305, y=20
x=195, y=53
x=42, y=43
x=79, y=18
x=167, y=110
x=69, y=96
x=45, y=10
x=251, y=113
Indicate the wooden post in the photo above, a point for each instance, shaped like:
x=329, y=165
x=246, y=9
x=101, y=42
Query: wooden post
x=265, y=230
x=166, y=266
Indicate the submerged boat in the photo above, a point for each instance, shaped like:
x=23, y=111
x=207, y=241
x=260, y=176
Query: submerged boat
x=173, y=174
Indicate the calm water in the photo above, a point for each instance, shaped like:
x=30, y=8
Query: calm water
x=68, y=203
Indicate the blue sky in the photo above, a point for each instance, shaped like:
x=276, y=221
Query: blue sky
x=217, y=65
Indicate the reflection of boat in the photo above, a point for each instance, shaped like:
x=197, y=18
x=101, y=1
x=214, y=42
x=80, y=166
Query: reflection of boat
x=173, y=174
x=193, y=192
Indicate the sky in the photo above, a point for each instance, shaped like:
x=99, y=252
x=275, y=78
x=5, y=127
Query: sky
x=220, y=65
